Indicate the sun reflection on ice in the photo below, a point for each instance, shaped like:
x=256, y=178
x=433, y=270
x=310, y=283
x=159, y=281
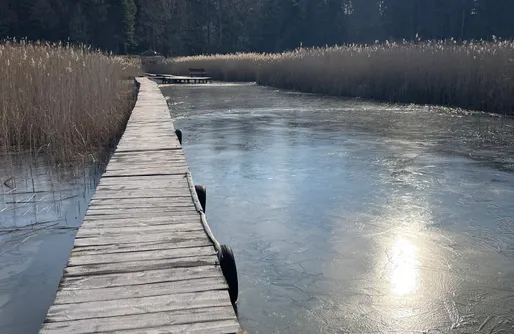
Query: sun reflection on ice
x=403, y=260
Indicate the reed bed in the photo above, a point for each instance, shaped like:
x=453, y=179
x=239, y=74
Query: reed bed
x=241, y=67
x=68, y=101
x=469, y=75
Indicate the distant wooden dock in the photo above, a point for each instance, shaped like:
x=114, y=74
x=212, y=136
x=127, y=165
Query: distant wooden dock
x=143, y=261
x=175, y=79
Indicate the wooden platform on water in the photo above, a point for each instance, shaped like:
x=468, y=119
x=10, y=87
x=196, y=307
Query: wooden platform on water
x=174, y=79
x=142, y=262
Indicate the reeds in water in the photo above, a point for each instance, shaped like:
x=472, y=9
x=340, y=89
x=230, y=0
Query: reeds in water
x=469, y=75
x=65, y=100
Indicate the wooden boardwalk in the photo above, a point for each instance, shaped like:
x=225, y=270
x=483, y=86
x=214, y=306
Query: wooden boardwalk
x=142, y=261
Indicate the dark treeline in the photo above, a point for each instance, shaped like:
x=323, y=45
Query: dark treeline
x=188, y=27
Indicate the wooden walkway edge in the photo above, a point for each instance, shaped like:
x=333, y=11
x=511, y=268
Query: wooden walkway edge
x=142, y=261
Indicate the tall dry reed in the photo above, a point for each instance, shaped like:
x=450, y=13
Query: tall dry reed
x=470, y=75
x=62, y=99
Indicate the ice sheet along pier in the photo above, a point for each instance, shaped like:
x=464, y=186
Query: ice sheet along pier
x=144, y=259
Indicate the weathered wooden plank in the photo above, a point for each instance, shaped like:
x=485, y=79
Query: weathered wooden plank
x=175, y=153
x=152, y=201
x=158, y=140
x=148, y=140
x=151, y=169
x=82, y=259
x=120, y=159
x=140, y=305
x=175, y=164
x=89, y=229
x=139, y=266
x=137, y=130
x=148, y=163
x=140, y=278
x=147, y=146
x=149, y=160
x=167, y=190
x=136, y=143
x=137, y=221
x=164, y=180
x=140, y=194
x=163, y=191
x=105, y=209
x=137, y=247
x=137, y=123
x=93, y=230
x=145, y=172
x=211, y=327
x=138, y=212
x=140, y=200
x=142, y=149
x=144, y=182
x=140, y=238
x=73, y=295
x=171, y=216
x=170, y=162
x=127, y=206
x=167, y=200
x=171, y=207
x=163, y=213
x=171, y=168
x=160, y=135
x=141, y=222
x=138, y=120
x=175, y=167
x=132, y=200
x=140, y=321
x=151, y=117
x=163, y=133
x=159, y=154
x=142, y=190
x=147, y=137
x=133, y=130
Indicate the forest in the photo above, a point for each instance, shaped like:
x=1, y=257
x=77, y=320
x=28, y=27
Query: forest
x=192, y=27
